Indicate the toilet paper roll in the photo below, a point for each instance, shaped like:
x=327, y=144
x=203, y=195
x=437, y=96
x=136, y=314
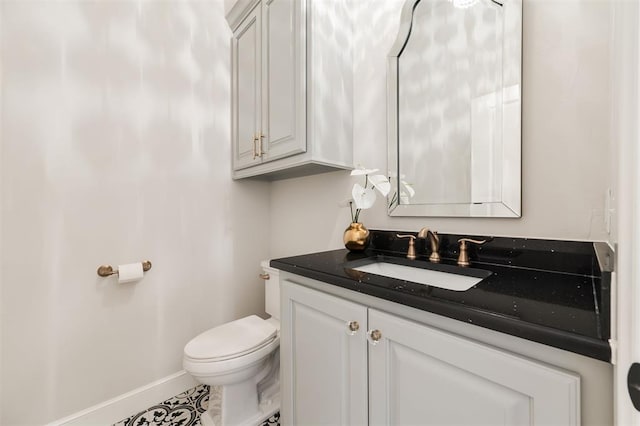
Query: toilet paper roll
x=130, y=272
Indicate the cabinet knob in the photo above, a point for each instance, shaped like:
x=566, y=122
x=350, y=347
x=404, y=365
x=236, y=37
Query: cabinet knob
x=353, y=327
x=375, y=336
x=264, y=276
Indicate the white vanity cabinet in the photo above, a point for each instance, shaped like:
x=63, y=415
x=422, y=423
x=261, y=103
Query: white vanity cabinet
x=323, y=358
x=291, y=87
x=394, y=371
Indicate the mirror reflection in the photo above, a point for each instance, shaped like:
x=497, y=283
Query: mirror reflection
x=454, y=109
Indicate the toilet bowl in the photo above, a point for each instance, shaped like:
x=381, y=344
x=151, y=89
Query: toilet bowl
x=241, y=357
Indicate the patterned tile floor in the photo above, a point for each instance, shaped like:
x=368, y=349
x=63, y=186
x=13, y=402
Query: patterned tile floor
x=183, y=410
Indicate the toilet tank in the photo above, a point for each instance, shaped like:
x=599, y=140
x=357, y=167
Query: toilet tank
x=271, y=290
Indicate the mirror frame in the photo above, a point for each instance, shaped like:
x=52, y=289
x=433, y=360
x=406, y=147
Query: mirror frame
x=511, y=204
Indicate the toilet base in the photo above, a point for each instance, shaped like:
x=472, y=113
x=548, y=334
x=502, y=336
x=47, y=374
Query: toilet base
x=212, y=417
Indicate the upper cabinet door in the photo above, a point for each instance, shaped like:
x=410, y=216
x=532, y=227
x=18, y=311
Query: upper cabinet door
x=246, y=86
x=323, y=358
x=420, y=375
x=283, y=91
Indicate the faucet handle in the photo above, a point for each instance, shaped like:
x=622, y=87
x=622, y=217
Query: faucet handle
x=411, y=252
x=463, y=257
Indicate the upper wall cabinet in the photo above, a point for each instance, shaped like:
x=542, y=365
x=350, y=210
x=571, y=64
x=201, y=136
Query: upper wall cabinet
x=291, y=86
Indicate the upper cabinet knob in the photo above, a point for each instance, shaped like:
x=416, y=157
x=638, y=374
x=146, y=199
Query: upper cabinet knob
x=353, y=327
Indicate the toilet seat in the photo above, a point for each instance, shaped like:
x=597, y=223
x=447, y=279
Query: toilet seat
x=231, y=340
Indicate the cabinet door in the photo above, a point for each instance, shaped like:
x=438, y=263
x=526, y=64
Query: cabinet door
x=420, y=375
x=323, y=362
x=283, y=100
x=246, y=90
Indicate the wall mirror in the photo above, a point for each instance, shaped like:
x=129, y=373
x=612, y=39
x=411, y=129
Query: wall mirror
x=454, y=109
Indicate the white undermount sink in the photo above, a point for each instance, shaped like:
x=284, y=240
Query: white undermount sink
x=446, y=280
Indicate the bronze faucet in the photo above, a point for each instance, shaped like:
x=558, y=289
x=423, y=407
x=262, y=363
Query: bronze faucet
x=434, y=240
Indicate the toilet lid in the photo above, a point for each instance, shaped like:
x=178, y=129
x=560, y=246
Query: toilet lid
x=232, y=339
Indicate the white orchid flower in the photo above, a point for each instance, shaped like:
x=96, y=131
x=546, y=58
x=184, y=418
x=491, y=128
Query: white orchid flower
x=364, y=198
x=381, y=183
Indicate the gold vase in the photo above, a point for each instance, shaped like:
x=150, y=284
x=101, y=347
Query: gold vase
x=356, y=237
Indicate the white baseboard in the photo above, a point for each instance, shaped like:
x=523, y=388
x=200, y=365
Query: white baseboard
x=130, y=403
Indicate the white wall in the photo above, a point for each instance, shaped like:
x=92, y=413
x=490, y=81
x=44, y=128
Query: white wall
x=115, y=149
x=566, y=94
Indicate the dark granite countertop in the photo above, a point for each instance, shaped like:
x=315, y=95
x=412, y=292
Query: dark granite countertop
x=551, y=292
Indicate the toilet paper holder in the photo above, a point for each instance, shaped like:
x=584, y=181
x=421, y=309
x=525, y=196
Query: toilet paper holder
x=107, y=270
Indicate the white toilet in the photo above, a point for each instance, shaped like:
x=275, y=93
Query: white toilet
x=242, y=357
